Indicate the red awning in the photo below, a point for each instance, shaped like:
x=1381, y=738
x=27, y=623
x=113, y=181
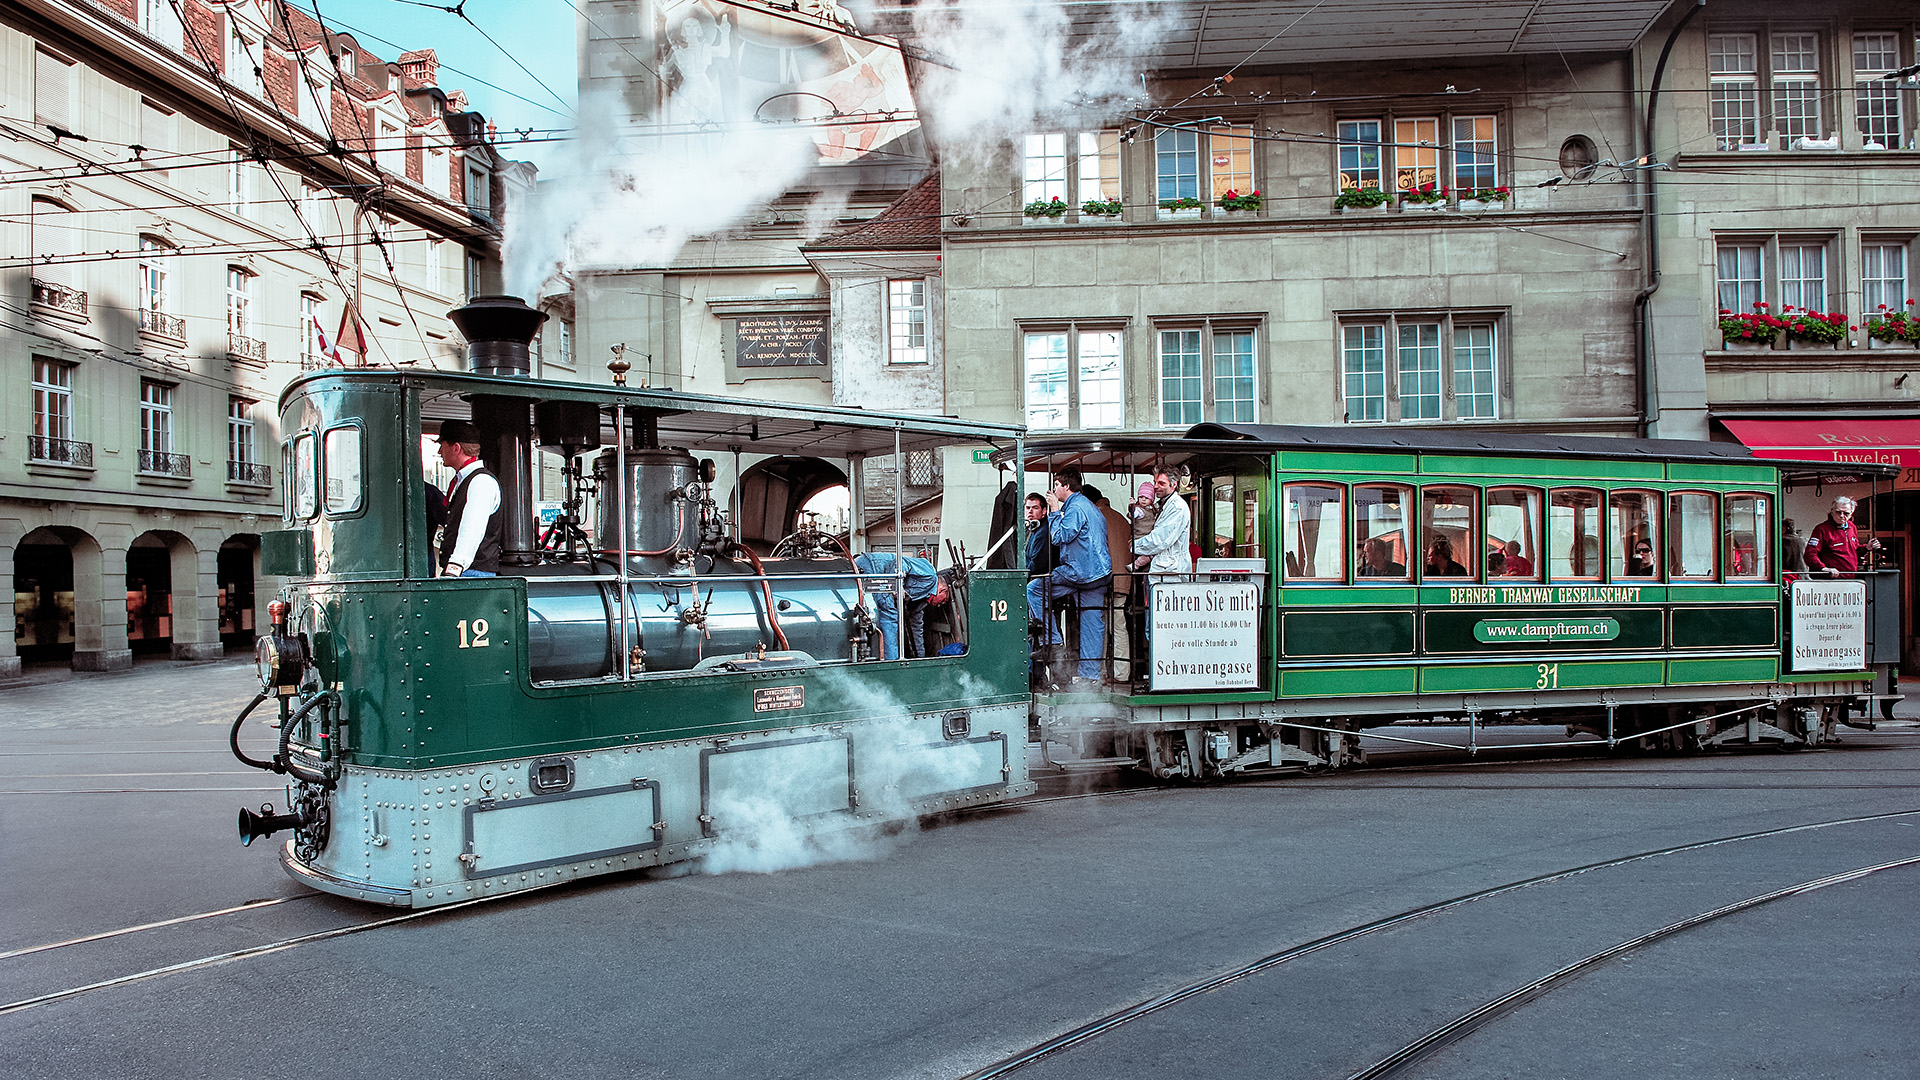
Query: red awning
x=1839, y=440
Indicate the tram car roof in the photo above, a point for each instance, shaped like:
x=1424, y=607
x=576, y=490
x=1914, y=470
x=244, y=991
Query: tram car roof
x=1206, y=440
x=685, y=419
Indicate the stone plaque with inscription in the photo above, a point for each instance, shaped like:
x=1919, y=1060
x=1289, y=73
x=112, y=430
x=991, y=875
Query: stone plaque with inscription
x=778, y=341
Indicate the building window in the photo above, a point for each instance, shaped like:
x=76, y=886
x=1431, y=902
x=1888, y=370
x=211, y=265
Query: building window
x=160, y=21
x=237, y=181
x=1420, y=368
x=390, y=148
x=479, y=197
x=52, y=406
x=1207, y=372
x=239, y=301
x=1876, y=99
x=1075, y=167
x=1789, y=69
x=242, y=69
x=313, y=201
x=240, y=447
x=472, y=280
x=156, y=424
x=1429, y=153
x=907, y=321
x=156, y=301
x=310, y=331
x=1883, y=277
x=51, y=239
x=1360, y=167
x=435, y=169
x=52, y=88
x=1759, y=269
x=1198, y=166
x=436, y=264
x=566, y=344
x=1074, y=378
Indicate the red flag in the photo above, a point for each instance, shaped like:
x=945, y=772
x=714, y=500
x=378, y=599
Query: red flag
x=352, y=335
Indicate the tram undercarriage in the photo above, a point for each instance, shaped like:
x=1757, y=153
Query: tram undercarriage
x=1217, y=741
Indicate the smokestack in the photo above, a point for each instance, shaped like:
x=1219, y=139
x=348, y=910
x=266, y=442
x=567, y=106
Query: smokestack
x=498, y=330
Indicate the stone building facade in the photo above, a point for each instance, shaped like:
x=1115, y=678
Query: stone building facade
x=197, y=196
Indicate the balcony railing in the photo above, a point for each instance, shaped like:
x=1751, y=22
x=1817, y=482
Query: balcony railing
x=240, y=347
x=155, y=463
x=60, y=451
x=246, y=472
x=59, y=298
x=163, y=325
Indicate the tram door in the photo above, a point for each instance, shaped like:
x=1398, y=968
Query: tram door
x=1233, y=517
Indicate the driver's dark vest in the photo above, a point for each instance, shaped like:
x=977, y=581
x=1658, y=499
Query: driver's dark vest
x=487, y=557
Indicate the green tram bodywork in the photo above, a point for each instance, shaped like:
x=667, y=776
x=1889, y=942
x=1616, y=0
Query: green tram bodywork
x=1658, y=662
x=443, y=750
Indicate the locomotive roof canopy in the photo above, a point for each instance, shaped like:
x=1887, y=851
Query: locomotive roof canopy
x=1221, y=34
x=1138, y=452
x=691, y=420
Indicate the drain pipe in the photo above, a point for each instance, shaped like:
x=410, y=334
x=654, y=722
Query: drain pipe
x=1649, y=390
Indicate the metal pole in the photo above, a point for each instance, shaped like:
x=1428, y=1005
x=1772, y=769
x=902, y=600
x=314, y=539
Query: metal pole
x=625, y=665
x=899, y=545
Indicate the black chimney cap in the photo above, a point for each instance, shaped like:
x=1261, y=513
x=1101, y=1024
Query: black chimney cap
x=497, y=318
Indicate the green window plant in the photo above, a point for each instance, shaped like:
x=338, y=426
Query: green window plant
x=1233, y=200
x=1186, y=202
x=1821, y=327
x=1101, y=207
x=1893, y=326
x=1361, y=199
x=1425, y=194
x=1052, y=208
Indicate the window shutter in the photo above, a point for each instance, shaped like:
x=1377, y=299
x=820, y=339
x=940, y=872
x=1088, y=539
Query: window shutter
x=52, y=78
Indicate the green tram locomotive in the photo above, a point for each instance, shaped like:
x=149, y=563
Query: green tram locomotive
x=1350, y=579
x=644, y=692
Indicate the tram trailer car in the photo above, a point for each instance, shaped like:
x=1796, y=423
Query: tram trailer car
x=617, y=699
x=1542, y=613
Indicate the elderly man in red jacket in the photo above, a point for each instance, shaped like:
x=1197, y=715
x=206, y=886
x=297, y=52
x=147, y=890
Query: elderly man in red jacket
x=1833, y=547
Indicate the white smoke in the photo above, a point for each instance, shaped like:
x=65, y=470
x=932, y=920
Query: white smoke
x=997, y=70
x=899, y=758
x=631, y=196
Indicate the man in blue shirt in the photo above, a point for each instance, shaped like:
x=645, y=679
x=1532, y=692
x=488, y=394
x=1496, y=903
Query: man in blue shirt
x=922, y=579
x=1085, y=571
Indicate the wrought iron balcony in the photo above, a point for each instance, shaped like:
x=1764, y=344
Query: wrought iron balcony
x=59, y=298
x=155, y=463
x=60, y=451
x=240, y=347
x=246, y=472
x=163, y=325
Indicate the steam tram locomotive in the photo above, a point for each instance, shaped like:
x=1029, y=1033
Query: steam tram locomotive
x=641, y=694
x=1354, y=578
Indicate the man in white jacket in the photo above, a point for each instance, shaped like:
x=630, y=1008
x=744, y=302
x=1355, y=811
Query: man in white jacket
x=1165, y=550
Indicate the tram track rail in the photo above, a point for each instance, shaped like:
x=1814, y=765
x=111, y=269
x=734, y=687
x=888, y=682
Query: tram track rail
x=1103, y=1025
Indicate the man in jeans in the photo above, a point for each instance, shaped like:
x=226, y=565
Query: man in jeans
x=1085, y=570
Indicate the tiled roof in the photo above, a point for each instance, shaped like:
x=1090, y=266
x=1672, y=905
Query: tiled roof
x=912, y=223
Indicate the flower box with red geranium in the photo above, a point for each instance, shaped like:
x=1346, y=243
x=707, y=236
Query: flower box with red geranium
x=1754, y=329
x=1234, y=202
x=1046, y=208
x=1484, y=198
x=1428, y=196
x=1814, y=329
x=1894, y=328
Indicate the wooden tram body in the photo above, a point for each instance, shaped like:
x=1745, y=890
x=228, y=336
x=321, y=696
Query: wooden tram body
x=613, y=707
x=1698, y=652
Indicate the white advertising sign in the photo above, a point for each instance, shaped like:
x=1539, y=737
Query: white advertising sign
x=1205, y=635
x=1829, y=625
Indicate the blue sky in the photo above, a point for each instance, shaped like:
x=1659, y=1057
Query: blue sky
x=539, y=33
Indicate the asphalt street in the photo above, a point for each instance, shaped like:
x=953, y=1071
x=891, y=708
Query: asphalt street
x=950, y=948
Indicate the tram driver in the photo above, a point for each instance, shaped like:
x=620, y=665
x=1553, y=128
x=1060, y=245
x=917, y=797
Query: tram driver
x=472, y=537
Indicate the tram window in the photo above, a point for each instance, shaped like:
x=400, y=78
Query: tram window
x=1314, y=542
x=1448, y=537
x=1573, y=533
x=1380, y=530
x=1222, y=521
x=306, y=500
x=1749, y=528
x=342, y=470
x=1691, y=529
x=1250, y=546
x=1636, y=542
x=1513, y=533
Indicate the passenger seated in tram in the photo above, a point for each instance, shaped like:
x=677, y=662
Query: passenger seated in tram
x=1517, y=565
x=1496, y=564
x=1640, y=558
x=1440, y=562
x=1378, y=560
